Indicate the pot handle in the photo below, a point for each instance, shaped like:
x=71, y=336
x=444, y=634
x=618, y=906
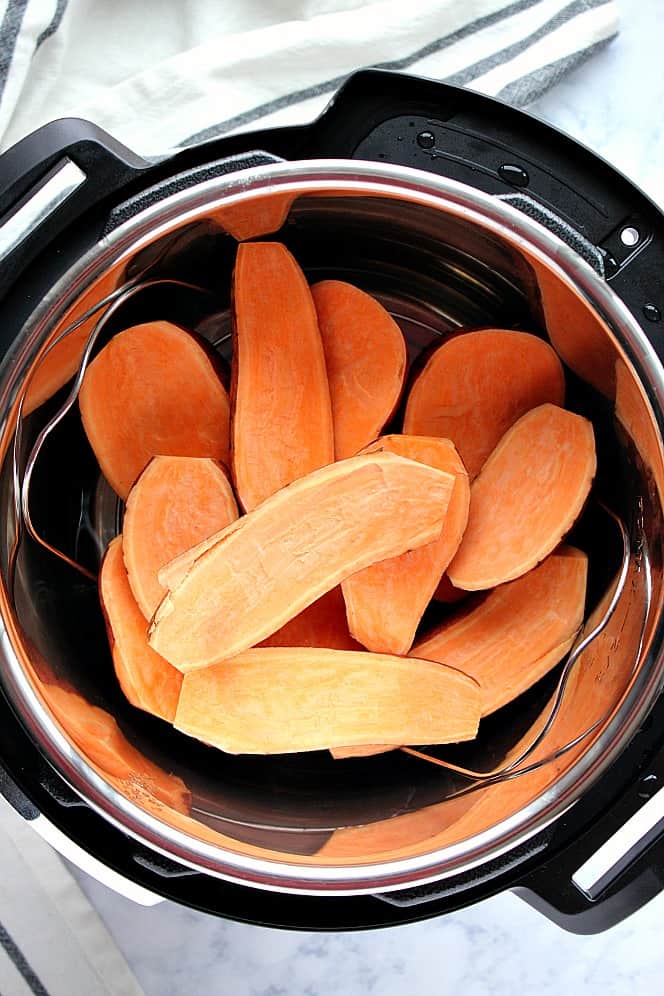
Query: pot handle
x=612, y=871
x=597, y=879
x=49, y=179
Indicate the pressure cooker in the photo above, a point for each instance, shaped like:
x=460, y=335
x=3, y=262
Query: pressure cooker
x=456, y=211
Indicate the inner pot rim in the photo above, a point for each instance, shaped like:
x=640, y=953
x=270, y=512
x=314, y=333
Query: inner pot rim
x=370, y=179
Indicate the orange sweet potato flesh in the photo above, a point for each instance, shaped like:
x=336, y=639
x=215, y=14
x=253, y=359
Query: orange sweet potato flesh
x=282, y=418
x=365, y=356
x=153, y=389
x=322, y=624
x=386, y=601
x=476, y=385
x=279, y=700
x=148, y=681
x=97, y=734
x=271, y=564
x=528, y=495
x=175, y=503
x=518, y=632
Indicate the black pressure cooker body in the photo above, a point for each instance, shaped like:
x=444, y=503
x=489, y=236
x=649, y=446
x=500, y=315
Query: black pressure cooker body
x=592, y=851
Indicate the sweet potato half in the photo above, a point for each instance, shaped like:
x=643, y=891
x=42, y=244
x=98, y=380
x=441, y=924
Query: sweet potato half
x=282, y=418
x=271, y=564
x=527, y=497
x=365, y=356
x=280, y=700
x=386, y=601
x=477, y=384
x=148, y=681
x=153, y=389
x=518, y=632
x=175, y=503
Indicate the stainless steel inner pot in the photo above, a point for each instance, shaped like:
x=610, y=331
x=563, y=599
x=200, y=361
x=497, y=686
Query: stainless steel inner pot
x=440, y=256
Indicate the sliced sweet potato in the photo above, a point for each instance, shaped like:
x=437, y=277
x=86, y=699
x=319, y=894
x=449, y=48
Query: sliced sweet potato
x=518, y=632
x=365, y=356
x=154, y=389
x=148, y=681
x=322, y=624
x=528, y=495
x=271, y=564
x=386, y=601
x=280, y=700
x=477, y=384
x=96, y=733
x=175, y=503
x=282, y=417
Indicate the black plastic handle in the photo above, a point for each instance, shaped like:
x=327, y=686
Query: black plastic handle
x=107, y=163
x=29, y=169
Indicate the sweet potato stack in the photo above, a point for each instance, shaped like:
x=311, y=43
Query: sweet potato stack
x=278, y=553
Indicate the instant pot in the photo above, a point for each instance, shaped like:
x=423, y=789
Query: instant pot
x=456, y=211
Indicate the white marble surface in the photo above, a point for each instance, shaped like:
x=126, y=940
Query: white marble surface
x=613, y=104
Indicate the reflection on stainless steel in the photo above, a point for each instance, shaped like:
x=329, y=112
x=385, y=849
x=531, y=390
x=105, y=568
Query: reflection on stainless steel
x=577, y=334
x=440, y=257
x=22, y=482
x=544, y=722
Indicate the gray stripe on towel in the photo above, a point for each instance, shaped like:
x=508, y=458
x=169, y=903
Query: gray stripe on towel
x=19, y=961
x=531, y=87
x=9, y=30
x=437, y=45
x=54, y=24
x=568, y=13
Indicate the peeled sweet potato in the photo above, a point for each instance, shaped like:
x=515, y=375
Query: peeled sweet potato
x=271, y=564
x=280, y=700
x=96, y=733
x=154, y=389
x=386, y=601
x=175, y=503
x=282, y=417
x=528, y=495
x=148, y=681
x=322, y=624
x=477, y=384
x=365, y=356
x=518, y=632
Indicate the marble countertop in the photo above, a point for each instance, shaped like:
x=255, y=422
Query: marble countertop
x=613, y=104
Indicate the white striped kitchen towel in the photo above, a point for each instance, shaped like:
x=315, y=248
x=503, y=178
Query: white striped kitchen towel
x=159, y=74
x=52, y=943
